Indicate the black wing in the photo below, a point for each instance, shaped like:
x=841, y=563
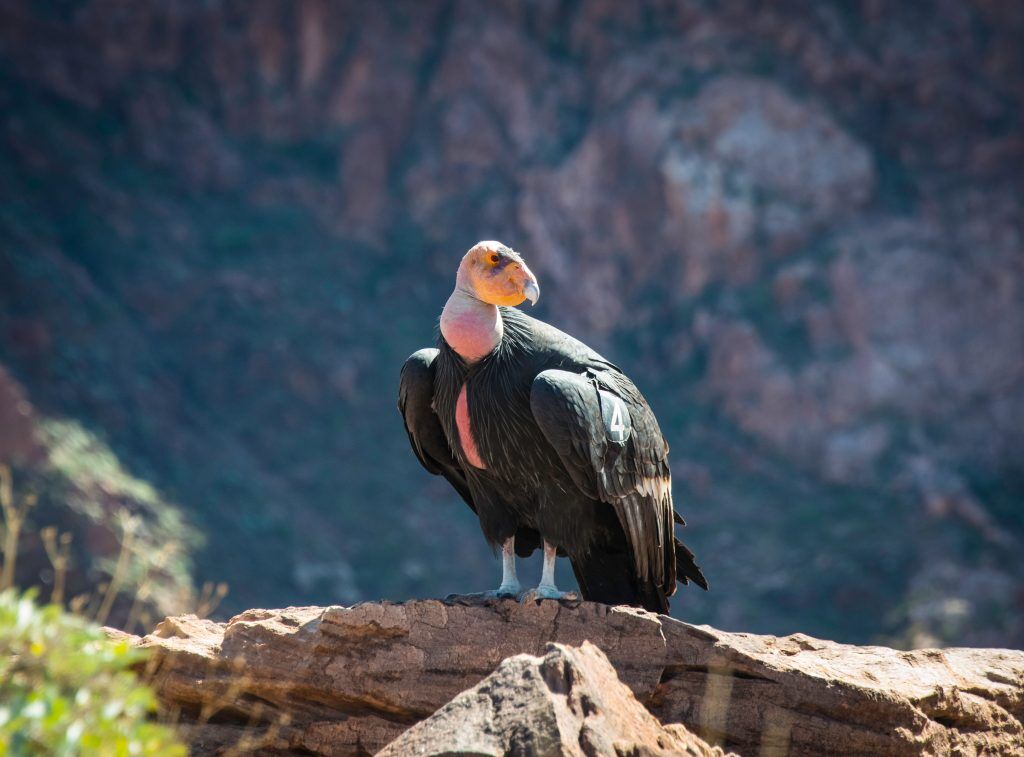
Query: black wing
x=609, y=441
x=415, y=403
x=415, y=397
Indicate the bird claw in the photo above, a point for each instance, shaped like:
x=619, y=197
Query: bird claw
x=546, y=592
x=506, y=591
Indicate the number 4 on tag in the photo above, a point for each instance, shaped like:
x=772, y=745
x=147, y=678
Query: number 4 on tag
x=617, y=425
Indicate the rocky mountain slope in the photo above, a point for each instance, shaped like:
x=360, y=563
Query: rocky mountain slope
x=94, y=536
x=350, y=680
x=797, y=224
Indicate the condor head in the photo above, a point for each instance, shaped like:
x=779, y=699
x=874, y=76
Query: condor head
x=498, y=275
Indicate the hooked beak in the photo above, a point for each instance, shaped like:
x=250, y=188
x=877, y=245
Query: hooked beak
x=531, y=291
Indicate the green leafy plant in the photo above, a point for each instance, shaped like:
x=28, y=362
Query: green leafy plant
x=66, y=688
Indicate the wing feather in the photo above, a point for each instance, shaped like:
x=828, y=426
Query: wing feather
x=427, y=437
x=415, y=398
x=632, y=476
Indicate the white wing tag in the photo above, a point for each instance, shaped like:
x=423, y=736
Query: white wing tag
x=617, y=424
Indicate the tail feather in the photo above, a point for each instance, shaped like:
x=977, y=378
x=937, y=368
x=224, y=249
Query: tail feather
x=686, y=568
x=610, y=577
x=608, y=574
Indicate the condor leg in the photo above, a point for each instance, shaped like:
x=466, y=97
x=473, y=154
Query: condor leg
x=547, y=589
x=510, y=587
x=509, y=582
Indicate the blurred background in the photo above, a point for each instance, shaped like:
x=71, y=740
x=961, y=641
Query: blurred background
x=797, y=226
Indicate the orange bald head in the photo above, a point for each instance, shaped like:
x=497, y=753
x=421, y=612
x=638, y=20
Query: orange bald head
x=496, y=274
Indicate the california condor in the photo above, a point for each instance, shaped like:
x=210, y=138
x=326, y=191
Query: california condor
x=547, y=441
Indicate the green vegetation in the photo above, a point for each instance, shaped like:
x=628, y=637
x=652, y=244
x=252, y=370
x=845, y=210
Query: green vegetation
x=65, y=688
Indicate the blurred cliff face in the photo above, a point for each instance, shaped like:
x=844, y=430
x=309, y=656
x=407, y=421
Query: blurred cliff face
x=224, y=225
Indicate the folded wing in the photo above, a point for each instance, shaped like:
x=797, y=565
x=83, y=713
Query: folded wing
x=609, y=441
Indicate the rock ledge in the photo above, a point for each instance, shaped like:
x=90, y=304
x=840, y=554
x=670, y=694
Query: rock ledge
x=341, y=680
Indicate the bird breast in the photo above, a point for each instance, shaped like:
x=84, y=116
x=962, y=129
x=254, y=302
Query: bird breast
x=465, y=429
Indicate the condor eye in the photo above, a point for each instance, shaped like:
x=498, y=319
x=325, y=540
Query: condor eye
x=495, y=258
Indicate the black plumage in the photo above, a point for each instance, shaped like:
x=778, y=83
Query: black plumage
x=574, y=456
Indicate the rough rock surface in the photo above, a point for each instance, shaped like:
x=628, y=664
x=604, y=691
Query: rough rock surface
x=568, y=702
x=350, y=680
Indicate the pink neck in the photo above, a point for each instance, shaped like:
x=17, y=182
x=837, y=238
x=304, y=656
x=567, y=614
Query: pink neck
x=471, y=326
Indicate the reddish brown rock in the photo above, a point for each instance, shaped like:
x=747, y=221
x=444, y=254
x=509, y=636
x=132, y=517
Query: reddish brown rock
x=350, y=680
x=568, y=702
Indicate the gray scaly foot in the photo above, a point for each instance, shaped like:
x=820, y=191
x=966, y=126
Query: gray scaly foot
x=547, y=591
